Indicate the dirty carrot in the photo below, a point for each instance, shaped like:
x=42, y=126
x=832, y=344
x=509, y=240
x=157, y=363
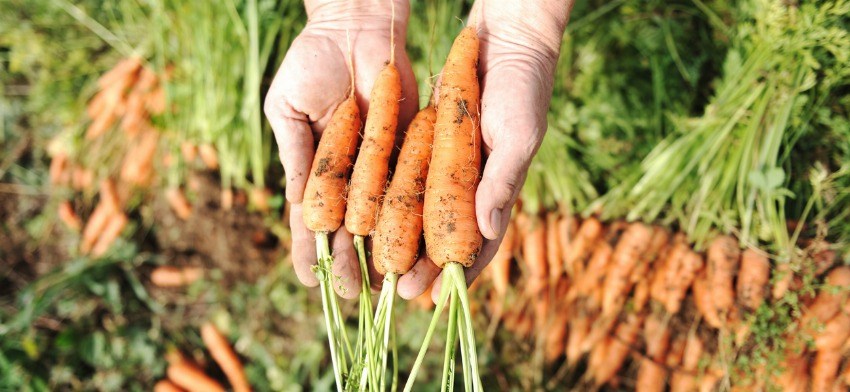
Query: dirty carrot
x=369, y=178
x=619, y=347
x=399, y=228
x=830, y=298
x=452, y=238
x=753, y=278
x=553, y=248
x=396, y=241
x=324, y=197
x=702, y=300
x=630, y=249
x=722, y=266
x=225, y=357
x=684, y=379
x=582, y=245
x=567, y=229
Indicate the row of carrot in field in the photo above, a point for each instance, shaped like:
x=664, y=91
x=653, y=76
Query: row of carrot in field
x=599, y=294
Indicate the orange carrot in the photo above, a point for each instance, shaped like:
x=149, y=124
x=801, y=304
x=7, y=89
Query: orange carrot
x=225, y=357
x=82, y=178
x=369, y=178
x=829, y=299
x=69, y=217
x=500, y=266
x=681, y=276
x=209, y=155
x=226, y=199
x=170, y=276
x=825, y=369
x=783, y=276
x=795, y=374
x=567, y=229
x=119, y=72
x=676, y=352
x=553, y=248
x=630, y=249
x=753, y=278
x=189, y=151
x=324, y=196
x=684, y=380
x=94, y=226
x=594, y=276
x=187, y=376
x=722, y=256
x=113, y=229
x=58, y=165
x=451, y=228
x=582, y=245
x=166, y=386
x=137, y=166
x=618, y=348
x=835, y=333
x=259, y=198
x=178, y=202
x=533, y=246
x=702, y=300
x=651, y=376
x=579, y=328
x=396, y=242
x=155, y=101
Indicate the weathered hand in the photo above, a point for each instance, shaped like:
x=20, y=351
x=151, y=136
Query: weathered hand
x=311, y=82
x=520, y=43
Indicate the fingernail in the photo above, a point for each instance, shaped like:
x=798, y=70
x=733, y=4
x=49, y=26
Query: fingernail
x=495, y=222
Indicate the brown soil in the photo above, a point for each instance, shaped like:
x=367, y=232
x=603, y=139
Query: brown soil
x=237, y=241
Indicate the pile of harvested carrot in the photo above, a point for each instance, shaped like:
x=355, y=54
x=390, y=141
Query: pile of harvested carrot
x=129, y=95
x=634, y=302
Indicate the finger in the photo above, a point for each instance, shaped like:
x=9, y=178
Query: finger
x=438, y=284
x=346, y=266
x=295, y=145
x=488, y=250
x=504, y=174
x=409, y=105
x=303, y=248
x=418, y=279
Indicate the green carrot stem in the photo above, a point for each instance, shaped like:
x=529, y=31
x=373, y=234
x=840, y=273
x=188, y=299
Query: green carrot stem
x=445, y=290
x=323, y=274
x=451, y=340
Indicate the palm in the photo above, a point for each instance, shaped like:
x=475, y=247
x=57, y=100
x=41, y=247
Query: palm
x=313, y=79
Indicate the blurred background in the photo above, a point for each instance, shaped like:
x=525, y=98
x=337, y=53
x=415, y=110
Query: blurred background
x=143, y=118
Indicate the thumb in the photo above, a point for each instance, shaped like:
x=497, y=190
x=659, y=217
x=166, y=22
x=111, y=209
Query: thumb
x=504, y=174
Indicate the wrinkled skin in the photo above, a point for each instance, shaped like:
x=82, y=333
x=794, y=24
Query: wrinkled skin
x=520, y=42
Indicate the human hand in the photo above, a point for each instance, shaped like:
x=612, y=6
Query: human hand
x=520, y=43
x=312, y=80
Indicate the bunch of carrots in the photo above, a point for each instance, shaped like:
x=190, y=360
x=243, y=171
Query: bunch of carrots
x=185, y=375
x=431, y=190
x=606, y=295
